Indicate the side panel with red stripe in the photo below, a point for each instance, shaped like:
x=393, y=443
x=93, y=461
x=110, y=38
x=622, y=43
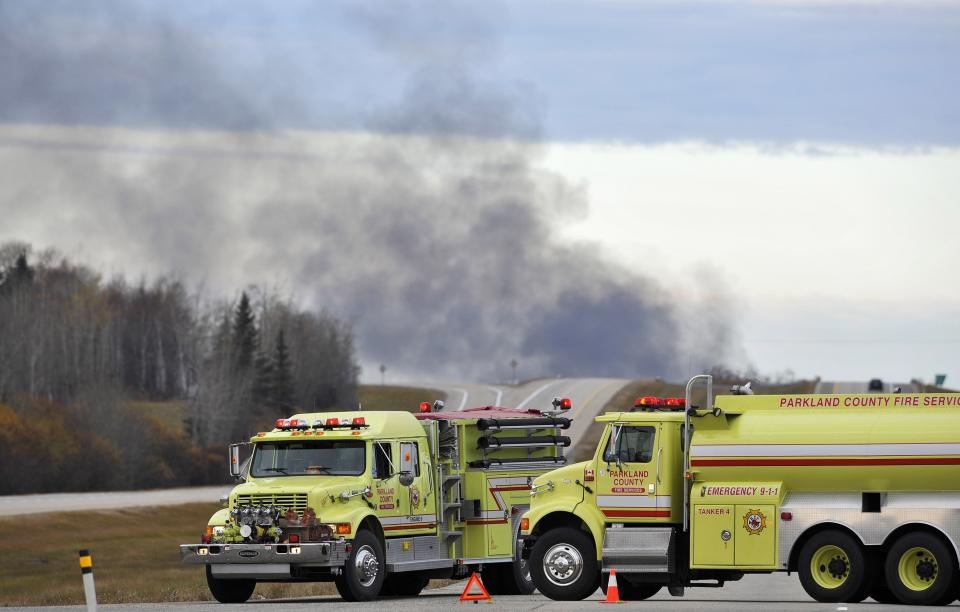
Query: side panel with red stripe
x=883, y=466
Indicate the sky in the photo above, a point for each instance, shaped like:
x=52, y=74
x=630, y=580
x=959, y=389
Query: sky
x=651, y=186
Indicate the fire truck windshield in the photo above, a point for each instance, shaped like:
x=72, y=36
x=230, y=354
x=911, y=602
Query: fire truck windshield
x=327, y=457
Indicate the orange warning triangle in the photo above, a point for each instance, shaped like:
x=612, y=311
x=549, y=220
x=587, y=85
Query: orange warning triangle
x=475, y=582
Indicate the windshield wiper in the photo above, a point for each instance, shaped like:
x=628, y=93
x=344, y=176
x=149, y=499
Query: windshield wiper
x=276, y=469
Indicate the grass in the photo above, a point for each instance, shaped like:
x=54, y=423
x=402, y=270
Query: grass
x=135, y=555
x=136, y=558
x=392, y=397
x=623, y=401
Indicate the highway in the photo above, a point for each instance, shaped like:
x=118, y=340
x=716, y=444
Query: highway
x=765, y=592
x=831, y=386
x=588, y=395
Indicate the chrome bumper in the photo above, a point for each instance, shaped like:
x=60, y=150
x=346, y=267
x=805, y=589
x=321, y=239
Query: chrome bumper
x=313, y=554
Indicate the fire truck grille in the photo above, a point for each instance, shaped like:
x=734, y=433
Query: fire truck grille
x=291, y=501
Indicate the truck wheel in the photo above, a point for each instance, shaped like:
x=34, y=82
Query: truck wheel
x=833, y=568
x=882, y=594
x=404, y=585
x=563, y=564
x=919, y=570
x=229, y=591
x=364, y=572
x=508, y=578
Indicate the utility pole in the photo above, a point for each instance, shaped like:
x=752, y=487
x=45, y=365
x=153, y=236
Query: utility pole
x=383, y=370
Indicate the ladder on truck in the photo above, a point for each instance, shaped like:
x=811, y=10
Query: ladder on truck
x=532, y=434
x=449, y=487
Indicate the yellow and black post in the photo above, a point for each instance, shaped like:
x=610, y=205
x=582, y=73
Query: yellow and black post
x=86, y=569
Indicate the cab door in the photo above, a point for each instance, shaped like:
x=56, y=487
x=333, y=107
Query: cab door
x=414, y=496
x=386, y=480
x=627, y=487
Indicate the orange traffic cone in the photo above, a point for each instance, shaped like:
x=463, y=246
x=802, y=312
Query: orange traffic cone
x=613, y=591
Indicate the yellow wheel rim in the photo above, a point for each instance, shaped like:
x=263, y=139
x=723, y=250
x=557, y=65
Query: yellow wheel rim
x=830, y=566
x=918, y=568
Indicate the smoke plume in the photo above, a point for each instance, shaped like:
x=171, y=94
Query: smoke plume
x=433, y=230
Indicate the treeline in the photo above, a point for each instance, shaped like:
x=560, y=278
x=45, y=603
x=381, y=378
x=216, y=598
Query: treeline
x=77, y=353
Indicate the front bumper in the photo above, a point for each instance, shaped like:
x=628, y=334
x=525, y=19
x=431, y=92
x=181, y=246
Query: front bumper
x=265, y=560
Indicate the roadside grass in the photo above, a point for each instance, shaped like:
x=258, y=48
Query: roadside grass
x=135, y=555
x=136, y=558
x=393, y=397
x=623, y=402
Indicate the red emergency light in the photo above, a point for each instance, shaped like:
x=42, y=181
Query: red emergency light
x=676, y=402
x=359, y=421
x=562, y=404
x=424, y=406
x=647, y=401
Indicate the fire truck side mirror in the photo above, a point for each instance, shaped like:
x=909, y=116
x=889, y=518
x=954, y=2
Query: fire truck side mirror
x=235, y=460
x=406, y=478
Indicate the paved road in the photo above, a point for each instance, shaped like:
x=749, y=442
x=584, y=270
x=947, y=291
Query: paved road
x=832, y=386
x=11, y=505
x=769, y=592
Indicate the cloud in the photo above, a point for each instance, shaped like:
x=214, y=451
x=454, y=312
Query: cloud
x=431, y=231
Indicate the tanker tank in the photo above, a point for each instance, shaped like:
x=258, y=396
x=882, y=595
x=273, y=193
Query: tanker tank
x=864, y=442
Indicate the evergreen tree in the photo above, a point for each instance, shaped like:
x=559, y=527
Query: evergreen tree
x=261, y=390
x=22, y=272
x=17, y=276
x=244, y=334
x=282, y=391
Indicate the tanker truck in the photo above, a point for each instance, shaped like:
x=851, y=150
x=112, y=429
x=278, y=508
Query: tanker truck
x=859, y=494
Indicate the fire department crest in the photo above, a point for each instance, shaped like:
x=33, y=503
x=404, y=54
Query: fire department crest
x=754, y=522
x=415, y=497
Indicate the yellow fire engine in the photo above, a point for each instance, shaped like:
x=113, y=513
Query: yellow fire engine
x=380, y=502
x=859, y=494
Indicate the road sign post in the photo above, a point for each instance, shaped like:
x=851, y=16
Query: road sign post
x=86, y=570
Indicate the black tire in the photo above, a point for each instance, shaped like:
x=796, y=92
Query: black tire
x=882, y=594
x=639, y=591
x=228, y=591
x=492, y=577
x=407, y=584
x=364, y=573
x=630, y=591
x=572, y=556
x=933, y=565
x=844, y=573
x=508, y=579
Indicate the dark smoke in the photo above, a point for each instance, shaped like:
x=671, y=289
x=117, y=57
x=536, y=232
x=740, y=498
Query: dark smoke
x=434, y=233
